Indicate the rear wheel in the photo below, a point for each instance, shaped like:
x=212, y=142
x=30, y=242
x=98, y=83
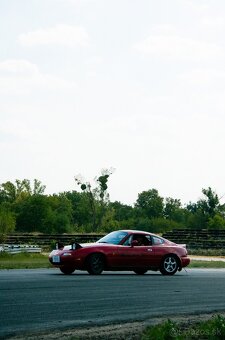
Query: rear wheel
x=95, y=264
x=169, y=265
x=140, y=271
x=67, y=270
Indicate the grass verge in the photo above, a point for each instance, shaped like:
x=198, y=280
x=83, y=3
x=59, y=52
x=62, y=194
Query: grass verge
x=206, y=252
x=23, y=261
x=212, y=329
x=206, y=264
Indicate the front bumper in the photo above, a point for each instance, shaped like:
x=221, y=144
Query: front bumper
x=185, y=261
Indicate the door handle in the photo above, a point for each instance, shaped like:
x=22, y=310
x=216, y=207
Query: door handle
x=149, y=249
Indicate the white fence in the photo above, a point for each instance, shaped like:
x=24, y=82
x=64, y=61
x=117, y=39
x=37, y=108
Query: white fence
x=20, y=248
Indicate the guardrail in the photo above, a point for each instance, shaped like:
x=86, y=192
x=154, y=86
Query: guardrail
x=16, y=249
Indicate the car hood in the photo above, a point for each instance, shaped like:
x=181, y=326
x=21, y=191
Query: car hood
x=87, y=245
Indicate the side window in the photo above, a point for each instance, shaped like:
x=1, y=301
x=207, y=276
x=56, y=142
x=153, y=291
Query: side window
x=157, y=240
x=143, y=240
x=128, y=241
x=149, y=239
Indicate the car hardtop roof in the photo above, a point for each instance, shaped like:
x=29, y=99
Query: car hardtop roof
x=129, y=231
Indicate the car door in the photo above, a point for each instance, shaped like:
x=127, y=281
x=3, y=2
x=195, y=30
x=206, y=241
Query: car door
x=135, y=256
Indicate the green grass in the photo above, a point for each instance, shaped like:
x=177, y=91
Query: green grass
x=207, y=252
x=23, y=261
x=206, y=264
x=212, y=329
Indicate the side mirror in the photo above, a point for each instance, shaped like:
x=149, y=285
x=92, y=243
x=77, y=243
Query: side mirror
x=134, y=243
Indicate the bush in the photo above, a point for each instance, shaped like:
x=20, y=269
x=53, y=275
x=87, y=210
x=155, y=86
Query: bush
x=213, y=329
x=216, y=222
x=165, y=331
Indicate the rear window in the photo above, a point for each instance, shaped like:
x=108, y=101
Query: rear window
x=157, y=240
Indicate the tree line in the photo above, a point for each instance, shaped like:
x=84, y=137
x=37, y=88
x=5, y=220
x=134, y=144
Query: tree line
x=24, y=207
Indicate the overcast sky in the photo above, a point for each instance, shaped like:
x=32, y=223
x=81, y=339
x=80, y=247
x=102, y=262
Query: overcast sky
x=137, y=85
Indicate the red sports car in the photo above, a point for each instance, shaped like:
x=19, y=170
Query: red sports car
x=134, y=250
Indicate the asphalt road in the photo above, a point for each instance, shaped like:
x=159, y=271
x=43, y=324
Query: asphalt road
x=33, y=300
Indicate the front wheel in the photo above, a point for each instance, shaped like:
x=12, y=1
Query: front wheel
x=95, y=264
x=67, y=270
x=140, y=271
x=169, y=265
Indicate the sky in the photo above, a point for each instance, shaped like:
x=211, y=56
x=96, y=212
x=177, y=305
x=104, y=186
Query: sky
x=136, y=85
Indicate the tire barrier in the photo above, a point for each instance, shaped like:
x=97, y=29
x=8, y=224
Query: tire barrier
x=198, y=239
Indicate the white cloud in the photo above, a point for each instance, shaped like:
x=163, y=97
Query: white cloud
x=212, y=23
x=16, y=129
x=21, y=77
x=94, y=60
x=164, y=29
x=156, y=105
x=203, y=76
x=196, y=6
x=74, y=2
x=15, y=66
x=66, y=35
x=176, y=47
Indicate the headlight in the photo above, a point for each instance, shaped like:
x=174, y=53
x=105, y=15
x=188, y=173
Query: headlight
x=66, y=254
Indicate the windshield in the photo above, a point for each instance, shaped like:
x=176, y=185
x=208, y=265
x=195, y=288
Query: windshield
x=113, y=238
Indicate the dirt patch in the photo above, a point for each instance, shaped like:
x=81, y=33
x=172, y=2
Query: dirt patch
x=123, y=331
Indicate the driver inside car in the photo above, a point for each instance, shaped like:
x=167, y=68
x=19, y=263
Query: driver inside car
x=142, y=240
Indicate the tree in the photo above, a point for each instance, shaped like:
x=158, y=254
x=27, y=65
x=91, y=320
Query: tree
x=10, y=192
x=204, y=210
x=109, y=223
x=216, y=222
x=46, y=214
x=150, y=203
x=59, y=215
x=211, y=203
x=31, y=213
x=122, y=212
x=81, y=215
x=98, y=197
x=7, y=221
x=173, y=210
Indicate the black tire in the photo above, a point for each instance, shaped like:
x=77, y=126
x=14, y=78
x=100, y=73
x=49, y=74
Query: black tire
x=169, y=265
x=67, y=270
x=95, y=264
x=140, y=271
